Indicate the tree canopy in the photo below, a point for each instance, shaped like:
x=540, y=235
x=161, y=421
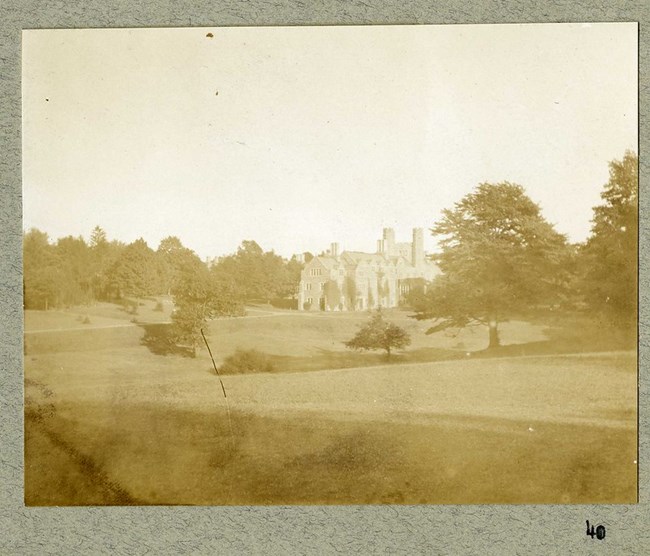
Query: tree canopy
x=499, y=257
x=259, y=275
x=199, y=294
x=379, y=334
x=69, y=271
x=42, y=282
x=198, y=297
x=609, y=259
x=72, y=271
x=136, y=272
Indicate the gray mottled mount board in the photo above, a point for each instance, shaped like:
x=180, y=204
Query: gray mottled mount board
x=285, y=530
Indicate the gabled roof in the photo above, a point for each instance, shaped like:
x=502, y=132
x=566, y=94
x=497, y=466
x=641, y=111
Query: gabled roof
x=328, y=261
x=356, y=257
x=325, y=261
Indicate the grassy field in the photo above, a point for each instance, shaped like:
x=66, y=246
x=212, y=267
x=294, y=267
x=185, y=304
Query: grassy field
x=110, y=422
x=295, y=341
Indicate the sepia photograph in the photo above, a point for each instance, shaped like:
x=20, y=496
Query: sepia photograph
x=331, y=265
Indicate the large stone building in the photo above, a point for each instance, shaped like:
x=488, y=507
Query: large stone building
x=354, y=281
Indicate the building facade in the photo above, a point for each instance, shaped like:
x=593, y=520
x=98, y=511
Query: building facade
x=355, y=281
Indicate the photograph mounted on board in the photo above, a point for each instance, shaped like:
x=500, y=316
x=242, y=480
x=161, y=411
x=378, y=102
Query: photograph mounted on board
x=331, y=265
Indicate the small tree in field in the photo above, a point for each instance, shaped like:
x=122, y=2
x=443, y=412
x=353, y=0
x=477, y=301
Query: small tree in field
x=379, y=334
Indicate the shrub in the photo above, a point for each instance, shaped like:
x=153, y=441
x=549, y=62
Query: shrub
x=129, y=305
x=86, y=320
x=283, y=303
x=159, y=307
x=247, y=361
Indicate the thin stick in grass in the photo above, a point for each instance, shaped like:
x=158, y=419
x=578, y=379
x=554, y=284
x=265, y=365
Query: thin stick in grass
x=223, y=389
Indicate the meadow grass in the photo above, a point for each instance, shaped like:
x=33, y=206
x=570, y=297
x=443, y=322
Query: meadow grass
x=152, y=454
x=110, y=422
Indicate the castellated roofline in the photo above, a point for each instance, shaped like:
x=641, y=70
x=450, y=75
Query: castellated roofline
x=412, y=251
x=356, y=280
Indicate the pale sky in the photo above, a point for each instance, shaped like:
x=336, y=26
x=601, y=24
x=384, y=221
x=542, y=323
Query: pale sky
x=297, y=137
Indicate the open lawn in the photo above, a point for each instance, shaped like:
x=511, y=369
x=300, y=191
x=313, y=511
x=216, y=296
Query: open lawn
x=277, y=332
x=110, y=422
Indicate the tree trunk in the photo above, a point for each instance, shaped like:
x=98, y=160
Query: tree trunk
x=494, y=335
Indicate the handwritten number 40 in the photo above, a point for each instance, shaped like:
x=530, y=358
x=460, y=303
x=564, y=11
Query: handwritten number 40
x=598, y=532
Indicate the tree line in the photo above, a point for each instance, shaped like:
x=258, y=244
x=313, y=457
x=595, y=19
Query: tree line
x=71, y=271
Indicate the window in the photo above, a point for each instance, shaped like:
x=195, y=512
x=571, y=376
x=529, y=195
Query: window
x=308, y=286
x=316, y=271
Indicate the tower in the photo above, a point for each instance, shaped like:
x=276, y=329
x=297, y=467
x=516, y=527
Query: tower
x=417, y=247
x=389, y=241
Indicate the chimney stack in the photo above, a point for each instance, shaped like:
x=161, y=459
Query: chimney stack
x=334, y=250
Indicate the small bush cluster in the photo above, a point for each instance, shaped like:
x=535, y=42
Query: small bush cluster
x=247, y=361
x=282, y=303
x=129, y=305
x=159, y=307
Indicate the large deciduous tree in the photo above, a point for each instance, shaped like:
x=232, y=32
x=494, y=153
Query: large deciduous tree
x=136, y=272
x=499, y=258
x=42, y=276
x=75, y=267
x=56, y=275
x=199, y=295
x=610, y=256
x=259, y=275
x=174, y=259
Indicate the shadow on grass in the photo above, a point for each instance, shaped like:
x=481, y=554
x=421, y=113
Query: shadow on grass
x=160, y=341
x=158, y=338
x=310, y=459
x=563, y=340
x=544, y=347
x=324, y=359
